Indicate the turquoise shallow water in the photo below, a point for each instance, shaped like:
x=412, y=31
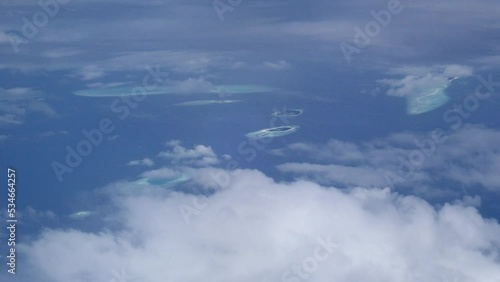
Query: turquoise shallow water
x=428, y=99
x=421, y=104
x=166, y=90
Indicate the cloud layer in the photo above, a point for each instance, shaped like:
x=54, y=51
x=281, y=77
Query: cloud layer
x=468, y=156
x=256, y=229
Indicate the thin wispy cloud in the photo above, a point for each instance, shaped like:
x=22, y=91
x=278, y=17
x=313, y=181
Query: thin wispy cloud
x=467, y=157
x=143, y=162
x=18, y=103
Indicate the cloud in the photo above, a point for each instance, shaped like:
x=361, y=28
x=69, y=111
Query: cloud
x=330, y=31
x=4, y=37
x=280, y=65
x=32, y=215
x=424, y=87
x=200, y=155
x=113, y=137
x=60, y=53
x=257, y=229
x=91, y=72
x=51, y=133
x=471, y=157
x=161, y=173
x=419, y=81
x=333, y=149
x=339, y=175
x=460, y=35
x=183, y=62
x=194, y=85
x=16, y=103
x=468, y=156
x=143, y=162
x=9, y=119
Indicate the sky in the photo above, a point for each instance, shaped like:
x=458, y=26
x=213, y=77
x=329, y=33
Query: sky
x=126, y=123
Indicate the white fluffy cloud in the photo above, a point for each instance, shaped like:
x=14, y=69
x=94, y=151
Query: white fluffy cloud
x=259, y=230
x=194, y=85
x=200, y=155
